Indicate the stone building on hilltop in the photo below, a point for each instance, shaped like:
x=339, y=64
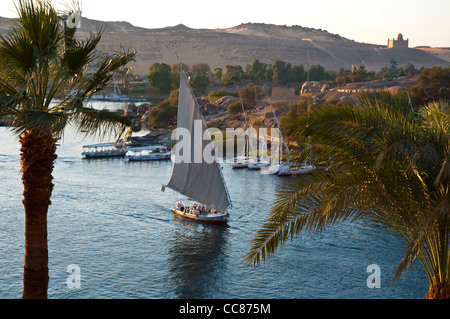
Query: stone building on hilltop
x=399, y=43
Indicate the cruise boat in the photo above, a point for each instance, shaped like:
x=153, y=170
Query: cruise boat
x=104, y=150
x=148, y=153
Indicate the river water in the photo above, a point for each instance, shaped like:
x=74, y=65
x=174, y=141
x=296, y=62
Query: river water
x=110, y=219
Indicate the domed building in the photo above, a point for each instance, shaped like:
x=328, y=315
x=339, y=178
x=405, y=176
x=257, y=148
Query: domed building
x=399, y=43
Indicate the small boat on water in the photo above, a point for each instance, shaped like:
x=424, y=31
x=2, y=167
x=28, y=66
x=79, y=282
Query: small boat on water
x=258, y=165
x=282, y=168
x=261, y=162
x=200, y=213
x=196, y=178
x=242, y=162
x=148, y=153
x=104, y=150
x=292, y=170
x=116, y=96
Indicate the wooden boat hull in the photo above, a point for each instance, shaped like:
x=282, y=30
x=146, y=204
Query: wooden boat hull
x=295, y=171
x=148, y=158
x=239, y=165
x=211, y=218
x=258, y=166
x=242, y=162
x=103, y=155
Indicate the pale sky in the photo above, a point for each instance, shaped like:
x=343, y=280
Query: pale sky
x=422, y=22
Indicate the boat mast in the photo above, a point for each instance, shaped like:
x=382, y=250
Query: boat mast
x=278, y=124
x=264, y=141
x=246, y=146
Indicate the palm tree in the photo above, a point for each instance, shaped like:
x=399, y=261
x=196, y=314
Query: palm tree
x=384, y=163
x=41, y=59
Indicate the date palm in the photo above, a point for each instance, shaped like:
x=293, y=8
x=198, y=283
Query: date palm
x=40, y=59
x=385, y=163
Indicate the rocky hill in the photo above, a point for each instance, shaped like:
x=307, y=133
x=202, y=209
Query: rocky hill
x=241, y=44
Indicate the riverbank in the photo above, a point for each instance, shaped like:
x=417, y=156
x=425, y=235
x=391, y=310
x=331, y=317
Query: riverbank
x=266, y=113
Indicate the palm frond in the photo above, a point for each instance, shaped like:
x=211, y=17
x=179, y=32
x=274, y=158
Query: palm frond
x=80, y=53
x=101, y=123
x=40, y=121
x=385, y=163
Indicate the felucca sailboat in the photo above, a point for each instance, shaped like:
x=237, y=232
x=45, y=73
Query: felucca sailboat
x=195, y=174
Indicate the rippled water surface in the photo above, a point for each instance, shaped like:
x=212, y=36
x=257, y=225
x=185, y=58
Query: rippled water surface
x=111, y=219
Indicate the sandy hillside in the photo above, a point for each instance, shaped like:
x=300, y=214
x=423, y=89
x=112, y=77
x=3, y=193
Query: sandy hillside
x=240, y=45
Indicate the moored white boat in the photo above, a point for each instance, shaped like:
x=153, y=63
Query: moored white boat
x=258, y=165
x=292, y=170
x=104, y=150
x=281, y=168
x=273, y=169
x=148, y=153
x=242, y=162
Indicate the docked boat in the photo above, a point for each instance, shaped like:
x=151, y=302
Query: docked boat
x=148, y=153
x=194, y=177
x=282, y=168
x=116, y=96
x=261, y=162
x=242, y=162
x=293, y=170
x=104, y=150
x=245, y=160
x=258, y=165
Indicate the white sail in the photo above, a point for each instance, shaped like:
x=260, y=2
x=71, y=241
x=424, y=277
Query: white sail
x=193, y=176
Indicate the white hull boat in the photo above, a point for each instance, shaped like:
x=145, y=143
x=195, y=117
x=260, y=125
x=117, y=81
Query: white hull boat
x=148, y=153
x=242, y=162
x=103, y=150
x=291, y=170
x=258, y=165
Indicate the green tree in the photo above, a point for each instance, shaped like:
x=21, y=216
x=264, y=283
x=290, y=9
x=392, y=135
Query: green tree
x=316, y=73
x=218, y=72
x=40, y=58
x=289, y=119
x=233, y=74
x=256, y=71
x=298, y=73
x=281, y=71
x=176, y=69
x=201, y=68
x=433, y=84
x=165, y=112
x=409, y=69
x=200, y=83
x=359, y=75
x=386, y=164
x=160, y=77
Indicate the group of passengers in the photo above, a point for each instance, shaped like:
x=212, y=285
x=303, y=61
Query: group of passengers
x=201, y=210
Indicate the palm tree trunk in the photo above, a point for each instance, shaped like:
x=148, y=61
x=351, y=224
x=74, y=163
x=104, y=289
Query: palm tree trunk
x=441, y=290
x=37, y=159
